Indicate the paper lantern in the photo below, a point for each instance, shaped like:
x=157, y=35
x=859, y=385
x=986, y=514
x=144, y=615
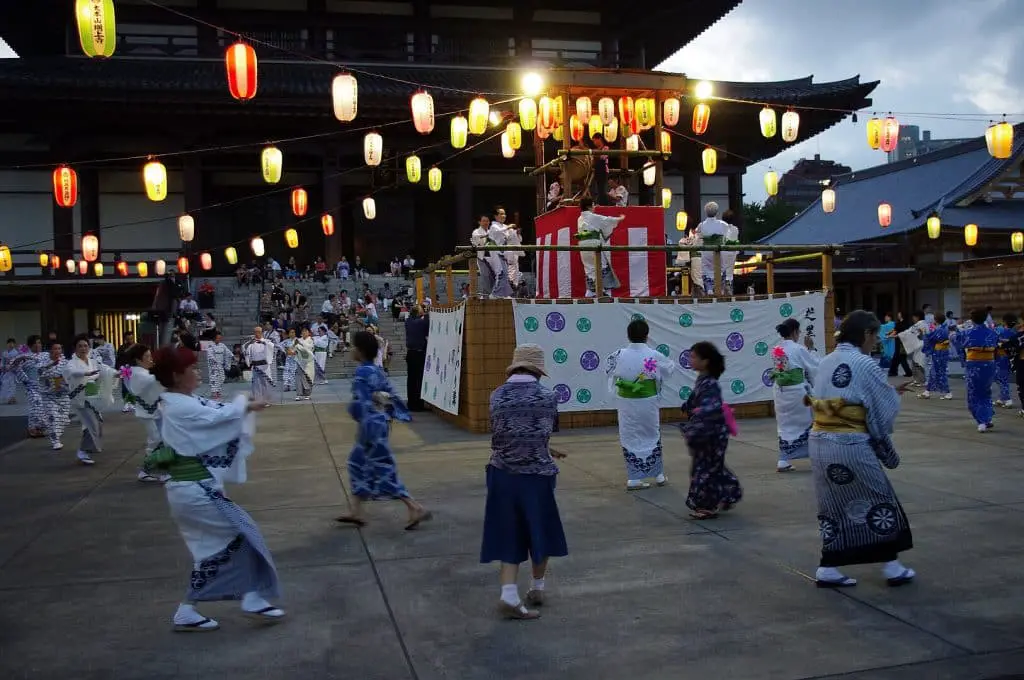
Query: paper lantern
x=971, y=235
x=771, y=182
x=606, y=109
x=154, y=176
x=90, y=248
x=186, y=228
x=769, y=122
x=633, y=143
x=122, y=268
x=650, y=174
x=701, y=118
x=459, y=131
x=143, y=269
x=345, y=97
x=999, y=139
x=413, y=169
x=528, y=114
x=271, y=163
x=369, y=208
x=231, y=255
x=584, y=108
x=54, y=262
x=44, y=260
x=291, y=237
x=506, y=147
x=611, y=131
x=874, y=131
x=1017, y=241
x=558, y=109
x=594, y=126
x=666, y=141
x=515, y=135
x=546, y=113
x=884, y=214
x=373, y=148
x=543, y=133
x=257, y=247
x=240, y=60
x=681, y=220
x=83, y=267
x=97, y=269
x=300, y=202
x=828, y=200
x=65, y=186
x=160, y=267
x=434, y=179
x=790, y=126
x=575, y=128
x=71, y=266
x=558, y=133
x=183, y=265
x=666, y=198
x=670, y=112
x=890, y=134
x=6, y=263
x=327, y=224
x=97, y=29
x=479, y=111
x=709, y=159
x=422, y=112
x=645, y=113
x=626, y=110
x=934, y=227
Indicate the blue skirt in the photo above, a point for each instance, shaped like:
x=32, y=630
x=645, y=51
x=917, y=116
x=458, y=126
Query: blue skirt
x=521, y=519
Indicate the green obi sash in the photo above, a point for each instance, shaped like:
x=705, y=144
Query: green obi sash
x=92, y=389
x=713, y=240
x=794, y=376
x=637, y=389
x=180, y=468
x=592, y=235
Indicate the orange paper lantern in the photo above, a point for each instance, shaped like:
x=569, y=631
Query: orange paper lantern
x=65, y=186
x=240, y=60
x=183, y=265
x=206, y=261
x=122, y=268
x=300, y=202
x=327, y=224
x=701, y=118
x=575, y=128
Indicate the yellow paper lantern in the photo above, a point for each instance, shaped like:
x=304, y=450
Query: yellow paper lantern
x=1017, y=241
x=459, y=131
x=790, y=126
x=666, y=141
x=828, y=200
x=971, y=235
x=934, y=227
x=373, y=148
x=515, y=135
x=768, y=121
x=271, y=162
x=670, y=111
x=345, y=97
x=6, y=263
x=999, y=139
x=506, y=147
x=666, y=198
x=594, y=126
x=257, y=247
x=186, y=228
x=98, y=269
x=558, y=109
x=44, y=260
x=434, y=179
x=874, y=132
x=422, y=105
x=611, y=131
x=558, y=133
x=154, y=176
x=606, y=110
x=160, y=267
x=528, y=114
x=709, y=159
x=645, y=112
x=97, y=30
x=650, y=174
x=291, y=238
x=413, y=169
x=633, y=143
x=369, y=208
x=479, y=112
x=771, y=182
x=681, y=220
x=231, y=255
x=90, y=248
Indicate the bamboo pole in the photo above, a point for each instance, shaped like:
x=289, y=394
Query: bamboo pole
x=566, y=143
x=769, y=271
x=717, y=273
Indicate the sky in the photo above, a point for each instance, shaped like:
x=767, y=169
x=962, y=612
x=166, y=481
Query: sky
x=931, y=56
x=5, y=51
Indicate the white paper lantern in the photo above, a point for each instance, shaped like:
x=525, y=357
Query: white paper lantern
x=506, y=146
x=422, y=112
x=186, y=228
x=373, y=148
x=345, y=95
x=369, y=208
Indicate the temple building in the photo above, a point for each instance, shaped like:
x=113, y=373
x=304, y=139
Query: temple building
x=164, y=93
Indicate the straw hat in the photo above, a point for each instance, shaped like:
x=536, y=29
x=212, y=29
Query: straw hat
x=528, y=356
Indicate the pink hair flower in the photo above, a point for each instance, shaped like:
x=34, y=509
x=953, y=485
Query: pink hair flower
x=126, y=372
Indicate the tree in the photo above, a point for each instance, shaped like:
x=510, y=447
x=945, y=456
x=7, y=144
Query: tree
x=762, y=219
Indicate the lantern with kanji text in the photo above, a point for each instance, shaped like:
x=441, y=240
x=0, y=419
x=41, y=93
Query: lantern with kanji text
x=584, y=108
x=527, y=114
x=645, y=112
x=515, y=135
x=670, y=111
x=422, y=105
x=154, y=176
x=65, y=186
x=701, y=118
x=890, y=134
x=413, y=169
x=434, y=179
x=459, y=131
x=790, y=126
x=627, y=110
x=666, y=141
x=373, y=148
x=242, y=69
x=90, y=247
x=611, y=131
x=345, y=97
x=769, y=122
x=271, y=163
x=709, y=160
x=300, y=202
x=575, y=128
x=874, y=132
x=546, y=113
x=97, y=28
x=479, y=112
x=606, y=110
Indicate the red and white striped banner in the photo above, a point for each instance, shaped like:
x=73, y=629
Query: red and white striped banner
x=560, y=273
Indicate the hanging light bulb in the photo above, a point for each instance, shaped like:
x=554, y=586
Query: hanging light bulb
x=884, y=214
x=701, y=118
x=90, y=248
x=606, y=109
x=532, y=84
x=183, y=265
x=186, y=228
x=206, y=262
x=670, y=111
x=300, y=202
x=506, y=148
x=243, y=73
x=650, y=174
x=666, y=198
x=828, y=199
x=434, y=179
x=291, y=237
x=143, y=269
x=528, y=114
x=271, y=162
x=257, y=247
x=971, y=235
x=874, y=132
x=768, y=121
x=97, y=27
x=479, y=111
x=413, y=168
x=681, y=220
x=327, y=224
x=790, y=126
x=154, y=176
x=161, y=267
x=422, y=112
x=584, y=108
x=934, y=226
x=369, y=208
x=231, y=255
x=459, y=131
x=515, y=135
x=771, y=182
x=709, y=160
x=345, y=97
x=373, y=148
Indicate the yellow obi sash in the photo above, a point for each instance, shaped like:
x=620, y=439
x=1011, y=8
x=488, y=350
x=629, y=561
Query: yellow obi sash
x=1001, y=353
x=944, y=345
x=835, y=415
x=980, y=354
x=636, y=389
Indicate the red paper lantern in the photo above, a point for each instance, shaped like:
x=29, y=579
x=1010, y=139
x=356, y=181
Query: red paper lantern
x=884, y=214
x=626, y=110
x=90, y=248
x=890, y=134
x=65, y=186
x=54, y=262
x=701, y=118
x=183, y=265
x=122, y=268
x=206, y=261
x=240, y=60
x=575, y=128
x=327, y=223
x=422, y=112
x=300, y=202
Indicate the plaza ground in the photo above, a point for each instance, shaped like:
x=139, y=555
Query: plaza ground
x=91, y=565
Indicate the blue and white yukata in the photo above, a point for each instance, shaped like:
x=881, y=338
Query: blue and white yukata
x=305, y=366
x=146, y=392
x=979, y=346
x=53, y=389
x=795, y=370
x=936, y=348
x=260, y=356
x=1002, y=376
x=372, y=471
x=321, y=348
x=218, y=361
x=89, y=395
x=8, y=376
x=26, y=367
x=290, y=367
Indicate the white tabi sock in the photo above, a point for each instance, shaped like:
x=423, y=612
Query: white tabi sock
x=187, y=614
x=538, y=584
x=893, y=569
x=252, y=602
x=829, y=574
x=510, y=595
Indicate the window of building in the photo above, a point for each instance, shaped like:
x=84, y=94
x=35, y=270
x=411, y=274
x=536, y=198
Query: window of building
x=471, y=12
x=567, y=50
x=157, y=39
x=292, y=40
x=403, y=9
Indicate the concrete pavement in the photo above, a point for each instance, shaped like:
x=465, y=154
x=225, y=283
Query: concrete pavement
x=91, y=565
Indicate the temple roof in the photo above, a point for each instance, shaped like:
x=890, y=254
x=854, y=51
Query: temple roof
x=953, y=182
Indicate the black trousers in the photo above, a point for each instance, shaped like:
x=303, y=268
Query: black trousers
x=415, y=360
x=900, y=359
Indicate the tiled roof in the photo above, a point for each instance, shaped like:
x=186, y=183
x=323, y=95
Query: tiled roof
x=914, y=188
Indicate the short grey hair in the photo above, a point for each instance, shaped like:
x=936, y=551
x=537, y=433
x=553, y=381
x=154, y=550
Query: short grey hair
x=711, y=209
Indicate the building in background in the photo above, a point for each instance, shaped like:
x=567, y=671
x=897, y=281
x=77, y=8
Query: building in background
x=915, y=142
x=801, y=186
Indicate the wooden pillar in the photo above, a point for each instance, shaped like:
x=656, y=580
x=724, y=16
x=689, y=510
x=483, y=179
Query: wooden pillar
x=474, y=273
x=419, y=289
x=449, y=282
x=718, y=273
x=566, y=144
x=432, y=285
x=769, y=271
x=736, y=193
x=691, y=198
x=659, y=163
x=598, y=274
x=64, y=231
x=684, y=281
x=829, y=322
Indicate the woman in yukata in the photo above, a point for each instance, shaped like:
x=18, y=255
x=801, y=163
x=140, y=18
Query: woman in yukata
x=90, y=384
x=795, y=368
x=146, y=391
x=8, y=377
x=321, y=350
x=713, y=487
x=26, y=367
x=54, y=391
x=372, y=470
x=303, y=352
x=206, y=444
x=859, y=517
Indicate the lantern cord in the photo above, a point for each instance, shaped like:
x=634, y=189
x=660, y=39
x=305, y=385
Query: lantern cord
x=710, y=146
x=327, y=62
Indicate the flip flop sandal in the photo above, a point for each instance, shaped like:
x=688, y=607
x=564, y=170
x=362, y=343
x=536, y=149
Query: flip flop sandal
x=842, y=583
x=703, y=515
x=638, y=487
x=903, y=579
x=263, y=616
x=788, y=468
x=352, y=521
x=203, y=626
x=425, y=517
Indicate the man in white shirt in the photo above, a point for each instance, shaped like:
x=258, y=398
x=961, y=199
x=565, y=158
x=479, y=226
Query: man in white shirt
x=618, y=193
x=514, y=238
x=593, y=230
x=732, y=235
x=498, y=234
x=188, y=305
x=481, y=237
x=327, y=309
x=712, y=232
x=407, y=265
x=275, y=267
